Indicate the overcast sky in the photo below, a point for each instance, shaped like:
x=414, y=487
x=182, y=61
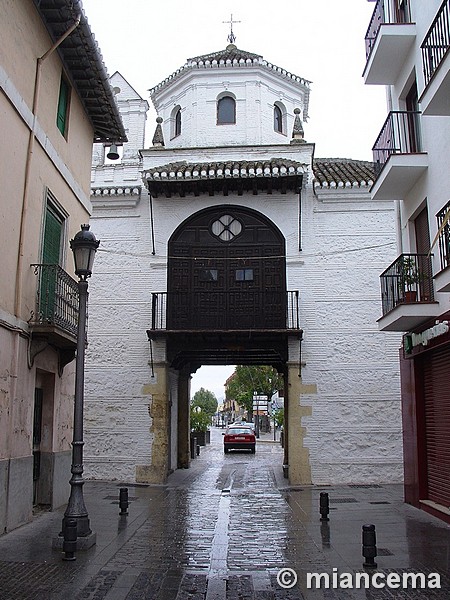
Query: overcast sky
x=319, y=40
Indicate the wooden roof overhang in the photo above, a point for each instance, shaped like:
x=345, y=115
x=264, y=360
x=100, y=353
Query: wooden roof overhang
x=237, y=177
x=193, y=348
x=84, y=66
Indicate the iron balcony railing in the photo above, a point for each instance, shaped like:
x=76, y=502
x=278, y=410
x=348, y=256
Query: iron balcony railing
x=385, y=13
x=443, y=223
x=437, y=42
x=57, y=299
x=408, y=280
x=214, y=311
x=400, y=134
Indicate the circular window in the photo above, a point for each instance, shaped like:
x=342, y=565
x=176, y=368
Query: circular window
x=226, y=228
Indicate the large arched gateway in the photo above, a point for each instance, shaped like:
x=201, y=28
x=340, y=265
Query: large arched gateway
x=226, y=300
x=227, y=271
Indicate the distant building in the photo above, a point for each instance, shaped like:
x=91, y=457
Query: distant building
x=408, y=50
x=232, y=411
x=226, y=242
x=54, y=102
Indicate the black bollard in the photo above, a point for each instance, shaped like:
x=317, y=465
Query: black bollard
x=324, y=506
x=325, y=534
x=198, y=449
x=193, y=447
x=123, y=501
x=70, y=539
x=369, y=546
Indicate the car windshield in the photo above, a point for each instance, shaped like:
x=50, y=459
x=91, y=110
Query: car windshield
x=239, y=430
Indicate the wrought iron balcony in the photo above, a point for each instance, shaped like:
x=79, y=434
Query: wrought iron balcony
x=400, y=134
x=253, y=310
x=408, y=280
x=444, y=235
x=398, y=156
x=383, y=13
x=436, y=64
x=442, y=278
x=437, y=42
x=56, y=301
x=387, y=46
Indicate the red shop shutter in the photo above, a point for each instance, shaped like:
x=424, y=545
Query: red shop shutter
x=437, y=424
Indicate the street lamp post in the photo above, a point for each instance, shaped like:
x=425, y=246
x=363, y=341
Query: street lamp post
x=84, y=245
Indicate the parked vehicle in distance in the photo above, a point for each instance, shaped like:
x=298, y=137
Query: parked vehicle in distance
x=243, y=424
x=239, y=438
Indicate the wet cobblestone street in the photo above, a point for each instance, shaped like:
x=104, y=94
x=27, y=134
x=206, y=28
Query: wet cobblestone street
x=222, y=530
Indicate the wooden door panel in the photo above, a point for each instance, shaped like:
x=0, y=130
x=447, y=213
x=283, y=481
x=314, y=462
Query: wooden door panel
x=234, y=282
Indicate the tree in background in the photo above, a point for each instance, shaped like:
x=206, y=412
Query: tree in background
x=246, y=380
x=278, y=416
x=199, y=420
x=206, y=400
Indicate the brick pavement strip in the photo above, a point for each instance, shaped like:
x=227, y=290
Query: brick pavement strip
x=33, y=581
x=99, y=586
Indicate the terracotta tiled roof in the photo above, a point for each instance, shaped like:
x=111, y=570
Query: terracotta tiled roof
x=248, y=175
x=342, y=172
x=183, y=171
x=226, y=177
x=231, y=52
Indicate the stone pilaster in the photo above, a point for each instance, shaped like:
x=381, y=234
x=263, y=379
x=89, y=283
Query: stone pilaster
x=298, y=455
x=184, y=385
x=159, y=412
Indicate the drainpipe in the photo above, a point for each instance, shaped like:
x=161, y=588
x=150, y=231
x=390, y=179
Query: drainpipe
x=398, y=220
x=37, y=82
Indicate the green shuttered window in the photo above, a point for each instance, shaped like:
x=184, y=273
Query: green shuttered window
x=63, y=106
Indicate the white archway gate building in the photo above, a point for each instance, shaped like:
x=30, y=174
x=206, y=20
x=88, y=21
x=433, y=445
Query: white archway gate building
x=227, y=242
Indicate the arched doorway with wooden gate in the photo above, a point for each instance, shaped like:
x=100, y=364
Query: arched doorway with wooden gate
x=226, y=304
x=226, y=301
x=226, y=272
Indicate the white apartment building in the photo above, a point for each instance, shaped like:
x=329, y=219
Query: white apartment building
x=407, y=45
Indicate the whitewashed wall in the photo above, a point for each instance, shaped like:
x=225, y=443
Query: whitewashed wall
x=354, y=432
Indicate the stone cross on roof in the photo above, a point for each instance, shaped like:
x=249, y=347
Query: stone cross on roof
x=231, y=37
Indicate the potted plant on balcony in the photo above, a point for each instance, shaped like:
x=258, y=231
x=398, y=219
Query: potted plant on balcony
x=409, y=278
x=200, y=422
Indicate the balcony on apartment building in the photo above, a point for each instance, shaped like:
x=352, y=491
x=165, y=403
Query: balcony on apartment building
x=389, y=38
x=398, y=156
x=54, y=320
x=407, y=293
x=442, y=278
x=435, y=100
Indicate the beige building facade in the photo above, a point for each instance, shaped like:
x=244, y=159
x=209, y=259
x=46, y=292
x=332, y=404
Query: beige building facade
x=49, y=124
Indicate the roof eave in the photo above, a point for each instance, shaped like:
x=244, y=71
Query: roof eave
x=84, y=65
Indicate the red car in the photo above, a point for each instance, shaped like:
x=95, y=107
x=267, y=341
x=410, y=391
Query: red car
x=239, y=438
